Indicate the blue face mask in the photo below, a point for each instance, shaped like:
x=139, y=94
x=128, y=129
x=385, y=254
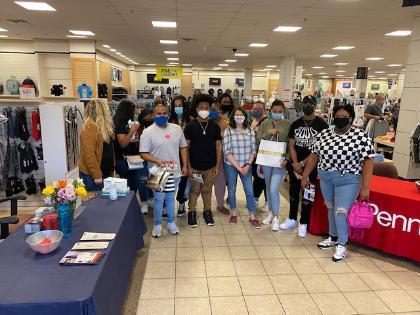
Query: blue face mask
x=213, y=114
x=161, y=120
x=277, y=116
x=179, y=111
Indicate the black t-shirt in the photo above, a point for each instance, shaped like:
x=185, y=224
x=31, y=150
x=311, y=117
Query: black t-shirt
x=107, y=163
x=305, y=132
x=202, y=147
x=131, y=149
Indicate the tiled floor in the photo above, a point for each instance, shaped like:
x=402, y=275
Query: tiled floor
x=236, y=269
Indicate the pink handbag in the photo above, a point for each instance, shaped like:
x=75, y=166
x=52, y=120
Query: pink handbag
x=360, y=217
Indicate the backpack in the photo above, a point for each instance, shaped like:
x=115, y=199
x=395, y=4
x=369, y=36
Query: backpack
x=360, y=218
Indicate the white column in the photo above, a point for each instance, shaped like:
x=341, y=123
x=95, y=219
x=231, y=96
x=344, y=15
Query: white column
x=410, y=108
x=400, y=84
x=287, y=79
x=248, y=82
x=361, y=86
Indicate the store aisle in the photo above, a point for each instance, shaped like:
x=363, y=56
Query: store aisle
x=236, y=269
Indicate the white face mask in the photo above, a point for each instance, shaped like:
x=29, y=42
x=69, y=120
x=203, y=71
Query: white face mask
x=239, y=119
x=203, y=114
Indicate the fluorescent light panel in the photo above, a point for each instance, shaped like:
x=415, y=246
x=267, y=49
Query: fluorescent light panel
x=377, y=72
x=151, y=64
x=174, y=63
x=394, y=65
x=173, y=58
x=223, y=65
x=106, y=46
x=374, y=58
x=76, y=36
x=241, y=55
x=3, y=36
x=317, y=67
x=168, y=42
x=341, y=63
x=328, y=56
x=272, y=66
x=171, y=52
x=113, y=49
x=287, y=29
x=3, y=30
x=35, y=6
x=83, y=33
x=340, y=71
x=187, y=65
x=399, y=33
x=164, y=24
x=343, y=47
x=118, y=53
x=231, y=60
x=258, y=45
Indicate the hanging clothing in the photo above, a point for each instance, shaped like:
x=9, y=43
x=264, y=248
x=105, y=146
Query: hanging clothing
x=36, y=125
x=28, y=162
x=22, y=130
x=84, y=91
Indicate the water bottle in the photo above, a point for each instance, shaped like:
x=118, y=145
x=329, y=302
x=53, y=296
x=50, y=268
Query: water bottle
x=113, y=192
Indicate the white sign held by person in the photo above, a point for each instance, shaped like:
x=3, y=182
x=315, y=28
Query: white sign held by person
x=271, y=153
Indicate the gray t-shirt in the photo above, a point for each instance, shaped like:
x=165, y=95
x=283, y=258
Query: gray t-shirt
x=163, y=143
x=373, y=110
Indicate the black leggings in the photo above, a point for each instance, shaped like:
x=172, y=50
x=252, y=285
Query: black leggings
x=258, y=183
x=294, y=194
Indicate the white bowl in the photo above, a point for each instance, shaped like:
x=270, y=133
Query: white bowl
x=35, y=239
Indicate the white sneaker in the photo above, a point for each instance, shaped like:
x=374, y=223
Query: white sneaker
x=172, y=228
x=264, y=208
x=268, y=218
x=275, y=224
x=144, y=208
x=340, y=253
x=157, y=231
x=302, y=230
x=288, y=224
x=150, y=203
x=327, y=243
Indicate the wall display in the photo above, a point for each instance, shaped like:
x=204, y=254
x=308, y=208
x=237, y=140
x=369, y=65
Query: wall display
x=215, y=81
x=116, y=74
x=410, y=3
x=362, y=73
x=346, y=85
x=152, y=79
x=374, y=87
x=239, y=81
x=169, y=73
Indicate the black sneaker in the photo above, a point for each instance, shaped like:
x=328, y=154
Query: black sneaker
x=192, y=219
x=181, y=210
x=208, y=217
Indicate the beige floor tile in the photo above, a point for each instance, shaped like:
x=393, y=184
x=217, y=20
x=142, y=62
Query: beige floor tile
x=298, y=304
x=190, y=269
x=249, y=268
x=366, y=302
x=348, y=282
x=318, y=283
x=333, y=303
x=378, y=281
x=189, y=253
x=232, y=229
x=188, y=241
x=191, y=287
x=163, y=242
x=161, y=254
x=296, y=252
x=256, y=285
x=287, y=284
x=269, y=252
x=196, y=306
x=153, y=307
x=311, y=239
x=234, y=305
x=332, y=267
x=405, y=279
x=216, y=253
x=202, y=223
x=220, y=268
x=213, y=240
x=288, y=239
x=306, y=265
x=243, y=252
x=319, y=253
x=415, y=294
x=263, y=239
x=265, y=229
x=361, y=264
x=275, y=267
x=263, y=304
x=224, y=286
x=160, y=270
x=398, y=301
x=157, y=289
x=238, y=240
x=185, y=230
x=387, y=266
x=212, y=230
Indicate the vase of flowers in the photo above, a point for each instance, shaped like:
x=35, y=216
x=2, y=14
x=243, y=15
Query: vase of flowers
x=62, y=195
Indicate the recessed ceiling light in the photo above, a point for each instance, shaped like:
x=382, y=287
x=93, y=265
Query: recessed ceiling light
x=173, y=58
x=399, y=33
x=328, y=56
x=343, y=47
x=35, y=6
x=341, y=63
x=325, y=77
x=130, y=60
x=126, y=58
x=187, y=65
x=151, y=64
x=3, y=30
x=317, y=67
x=163, y=24
x=171, y=52
x=241, y=55
x=382, y=78
x=308, y=74
x=136, y=63
x=374, y=58
x=272, y=66
x=223, y=65
x=339, y=75
x=3, y=36
x=377, y=72
x=106, y=46
x=287, y=29
x=168, y=42
x=392, y=74
x=258, y=45
x=340, y=71
x=394, y=65
x=174, y=63
x=231, y=60
x=322, y=73
x=113, y=49
x=76, y=36
x=118, y=53
x=84, y=33
x=123, y=56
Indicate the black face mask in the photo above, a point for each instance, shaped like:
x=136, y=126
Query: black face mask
x=308, y=109
x=147, y=123
x=226, y=108
x=340, y=123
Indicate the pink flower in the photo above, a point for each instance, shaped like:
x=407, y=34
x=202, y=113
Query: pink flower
x=67, y=194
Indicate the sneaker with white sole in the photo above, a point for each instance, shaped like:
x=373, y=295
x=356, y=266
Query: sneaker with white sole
x=144, y=208
x=275, y=224
x=181, y=210
x=264, y=208
x=268, y=218
x=157, y=231
x=150, y=203
x=327, y=243
x=172, y=228
x=302, y=230
x=288, y=224
x=340, y=253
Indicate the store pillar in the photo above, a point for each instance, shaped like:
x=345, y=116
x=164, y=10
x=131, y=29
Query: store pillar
x=248, y=82
x=361, y=87
x=287, y=79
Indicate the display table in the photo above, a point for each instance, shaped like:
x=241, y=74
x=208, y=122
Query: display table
x=396, y=228
x=377, y=141
x=34, y=284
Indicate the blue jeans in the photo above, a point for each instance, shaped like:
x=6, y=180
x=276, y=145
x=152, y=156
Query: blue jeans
x=231, y=174
x=273, y=180
x=169, y=198
x=136, y=179
x=340, y=192
x=90, y=182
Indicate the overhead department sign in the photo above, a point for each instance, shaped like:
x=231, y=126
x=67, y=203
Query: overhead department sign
x=168, y=73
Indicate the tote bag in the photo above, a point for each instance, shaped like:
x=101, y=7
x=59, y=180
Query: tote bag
x=271, y=153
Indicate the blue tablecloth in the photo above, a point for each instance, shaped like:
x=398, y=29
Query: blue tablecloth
x=34, y=284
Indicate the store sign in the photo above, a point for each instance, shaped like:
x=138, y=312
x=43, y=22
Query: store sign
x=396, y=221
x=362, y=73
x=27, y=93
x=168, y=73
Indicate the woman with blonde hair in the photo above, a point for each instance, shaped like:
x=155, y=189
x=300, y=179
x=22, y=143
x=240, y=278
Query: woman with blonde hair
x=96, y=159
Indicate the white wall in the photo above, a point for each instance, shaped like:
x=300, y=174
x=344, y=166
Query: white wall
x=140, y=74
x=101, y=57
x=228, y=78
x=55, y=69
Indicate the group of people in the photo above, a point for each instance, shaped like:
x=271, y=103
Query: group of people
x=211, y=143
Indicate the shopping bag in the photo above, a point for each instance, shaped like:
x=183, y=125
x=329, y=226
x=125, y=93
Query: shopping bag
x=134, y=162
x=271, y=153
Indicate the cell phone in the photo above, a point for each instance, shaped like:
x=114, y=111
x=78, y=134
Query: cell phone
x=89, y=196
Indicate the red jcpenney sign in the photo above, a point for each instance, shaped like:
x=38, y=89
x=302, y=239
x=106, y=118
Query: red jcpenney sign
x=396, y=221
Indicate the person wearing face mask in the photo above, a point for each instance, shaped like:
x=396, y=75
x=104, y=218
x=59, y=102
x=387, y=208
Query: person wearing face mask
x=344, y=156
x=275, y=129
x=374, y=111
x=227, y=105
x=239, y=151
x=302, y=136
x=258, y=183
x=162, y=144
x=205, y=154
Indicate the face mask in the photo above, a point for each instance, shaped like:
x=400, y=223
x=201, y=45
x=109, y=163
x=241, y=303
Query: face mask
x=239, y=119
x=308, y=109
x=277, y=116
x=161, y=120
x=226, y=108
x=203, y=114
x=213, y=114
x=179, y=111
x=340, y=123
x=257, y=113
x=147, y=123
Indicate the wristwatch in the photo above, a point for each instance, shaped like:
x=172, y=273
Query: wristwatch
x=302, y=163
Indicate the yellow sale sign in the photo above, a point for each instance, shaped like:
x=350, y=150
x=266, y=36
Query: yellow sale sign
x=168, y=73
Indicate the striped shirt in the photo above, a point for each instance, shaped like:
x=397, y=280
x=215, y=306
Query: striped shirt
x=240, y=144
x=170, y=184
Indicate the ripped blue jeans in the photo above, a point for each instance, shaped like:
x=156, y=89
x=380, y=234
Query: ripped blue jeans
x=340, y=192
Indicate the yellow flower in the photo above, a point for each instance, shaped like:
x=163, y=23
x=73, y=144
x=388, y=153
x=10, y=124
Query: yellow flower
x=81, y=191
x=48, y=191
